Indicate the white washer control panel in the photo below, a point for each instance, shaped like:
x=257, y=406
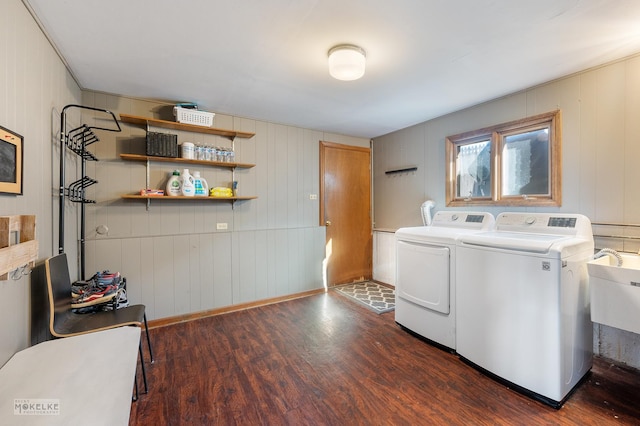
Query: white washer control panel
x=544, y=223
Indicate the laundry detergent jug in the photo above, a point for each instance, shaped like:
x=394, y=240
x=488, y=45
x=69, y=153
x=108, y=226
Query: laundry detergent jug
x=200, y=184
x=188, y=187
x=174, y=184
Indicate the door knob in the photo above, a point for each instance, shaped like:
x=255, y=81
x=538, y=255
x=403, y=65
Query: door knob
x=328, y=223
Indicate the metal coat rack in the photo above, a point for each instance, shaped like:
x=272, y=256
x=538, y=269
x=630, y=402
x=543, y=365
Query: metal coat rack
x=77, y=140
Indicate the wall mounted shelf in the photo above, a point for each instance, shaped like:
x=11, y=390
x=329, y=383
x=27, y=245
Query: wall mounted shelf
x=182, y=197
x=231, y=134
x=137, y=157
x=144, y=121
x=24, y=250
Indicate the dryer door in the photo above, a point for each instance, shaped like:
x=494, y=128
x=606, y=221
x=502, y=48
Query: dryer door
x=423, y=275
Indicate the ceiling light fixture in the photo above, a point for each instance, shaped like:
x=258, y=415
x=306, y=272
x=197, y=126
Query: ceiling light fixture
x=346, y=62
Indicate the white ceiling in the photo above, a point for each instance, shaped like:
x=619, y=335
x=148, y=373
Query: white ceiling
x=267, y=59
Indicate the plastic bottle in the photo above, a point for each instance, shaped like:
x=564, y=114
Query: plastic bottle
x=200, y=184
x=188, y=150
x=174, y=185
x=188, y=188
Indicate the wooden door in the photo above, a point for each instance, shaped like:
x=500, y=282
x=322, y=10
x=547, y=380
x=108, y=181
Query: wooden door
x=345, y=209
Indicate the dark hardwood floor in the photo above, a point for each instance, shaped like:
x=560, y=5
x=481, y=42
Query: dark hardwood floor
x=325, y=360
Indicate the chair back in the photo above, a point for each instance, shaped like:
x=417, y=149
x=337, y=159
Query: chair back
x=58, y=288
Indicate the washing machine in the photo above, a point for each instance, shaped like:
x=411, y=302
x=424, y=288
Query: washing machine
x=523, y=302
x=425, y=274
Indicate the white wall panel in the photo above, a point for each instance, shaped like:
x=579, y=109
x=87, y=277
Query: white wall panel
x=631, y=178
x=588, y=141
x=262, y=264
x=610, y=98
x=311, y=177
x=110, y=257
x=34, y=86
x=147, y=274
x=204, y=276
x=262, y=173
x=384, y=257
x=183, y=257
x=281, y=262
x=133, y=268
x=279, y=157
x=244, y=261
x=313, y=256
x=165, y=259
x=293, y=184
x=193, y=302
x=434, y=156
x=295, y=247
x=567, y=98
x=273, y=267
x=245, y=215
x=222, y=276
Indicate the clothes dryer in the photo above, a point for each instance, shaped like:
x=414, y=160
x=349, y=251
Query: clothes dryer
x=425, y=274
x=523, y=302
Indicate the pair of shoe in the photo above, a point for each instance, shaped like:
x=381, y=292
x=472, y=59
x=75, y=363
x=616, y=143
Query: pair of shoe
x=120, y=302
x=101, y=288
x=94, y=295
x=106, y=277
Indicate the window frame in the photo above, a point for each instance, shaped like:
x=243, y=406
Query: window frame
x=496, y=136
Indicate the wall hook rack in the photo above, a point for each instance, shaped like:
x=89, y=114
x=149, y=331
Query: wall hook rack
x=403, y=170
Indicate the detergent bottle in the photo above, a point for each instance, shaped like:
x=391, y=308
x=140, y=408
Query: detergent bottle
x=174, y=186
x=200, y=184
x=188, y=188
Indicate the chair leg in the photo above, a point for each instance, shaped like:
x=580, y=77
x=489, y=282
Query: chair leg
x=146, y=330
x=144, y=373
x=134, y=398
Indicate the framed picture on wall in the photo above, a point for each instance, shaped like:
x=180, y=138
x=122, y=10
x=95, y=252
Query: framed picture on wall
x=11, y=161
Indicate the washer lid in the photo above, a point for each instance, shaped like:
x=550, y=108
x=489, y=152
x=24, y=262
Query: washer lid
x=432, y=234
x=535, y=243
x=446, y=226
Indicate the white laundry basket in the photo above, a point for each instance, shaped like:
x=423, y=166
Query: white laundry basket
x=193, y=116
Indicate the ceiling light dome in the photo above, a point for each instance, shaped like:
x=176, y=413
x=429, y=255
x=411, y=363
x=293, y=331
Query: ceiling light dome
x=347, y=62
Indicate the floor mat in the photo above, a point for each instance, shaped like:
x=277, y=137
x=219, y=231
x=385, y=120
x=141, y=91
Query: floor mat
x=376, y=297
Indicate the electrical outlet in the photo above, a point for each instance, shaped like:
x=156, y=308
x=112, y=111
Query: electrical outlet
x=221, y=225
x=313, y=196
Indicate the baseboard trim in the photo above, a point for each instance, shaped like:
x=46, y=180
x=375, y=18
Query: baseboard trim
x=162, y=322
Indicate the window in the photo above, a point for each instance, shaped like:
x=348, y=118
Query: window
x=516, y=164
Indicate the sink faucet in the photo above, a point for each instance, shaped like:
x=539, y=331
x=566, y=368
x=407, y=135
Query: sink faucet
x=609, y=252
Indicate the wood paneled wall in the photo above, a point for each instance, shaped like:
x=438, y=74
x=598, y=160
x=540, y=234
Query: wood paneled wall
x=175, y=260
x=34, y=87
x=600, y=157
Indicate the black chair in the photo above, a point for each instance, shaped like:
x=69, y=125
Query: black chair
x=63, y=322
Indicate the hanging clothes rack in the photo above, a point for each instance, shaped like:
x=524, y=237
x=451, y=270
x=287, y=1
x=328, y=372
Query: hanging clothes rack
x=77, y=140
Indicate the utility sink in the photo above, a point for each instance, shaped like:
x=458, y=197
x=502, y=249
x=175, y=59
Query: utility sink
x=615, y=291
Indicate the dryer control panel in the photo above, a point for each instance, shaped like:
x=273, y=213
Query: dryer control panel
x=469, y=220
